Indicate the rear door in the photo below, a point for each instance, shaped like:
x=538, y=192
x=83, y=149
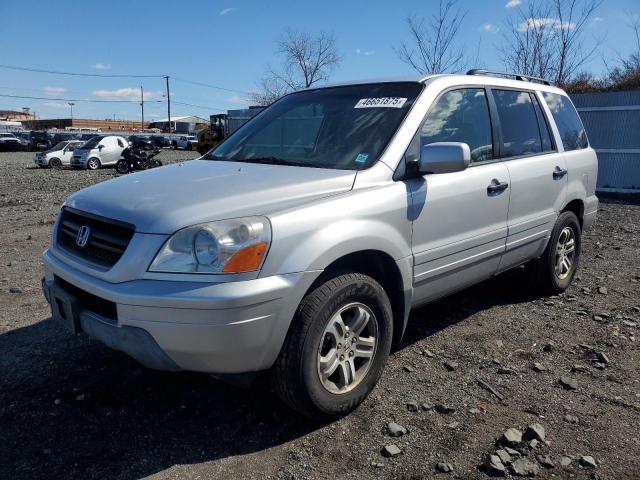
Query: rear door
x=537, y=171
x=459, y=219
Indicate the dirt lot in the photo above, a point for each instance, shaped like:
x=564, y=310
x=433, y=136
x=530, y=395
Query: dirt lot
x=72, y=408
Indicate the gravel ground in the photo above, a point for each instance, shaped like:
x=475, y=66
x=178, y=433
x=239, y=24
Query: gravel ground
x=72, y=408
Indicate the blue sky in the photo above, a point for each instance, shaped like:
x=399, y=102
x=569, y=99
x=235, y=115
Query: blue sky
x=227, y=43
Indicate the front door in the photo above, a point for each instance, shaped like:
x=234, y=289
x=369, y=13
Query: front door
x=538, y=174
x=459, y=219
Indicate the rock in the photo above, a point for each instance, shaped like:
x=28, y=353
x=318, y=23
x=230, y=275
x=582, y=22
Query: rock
x=629, y=323
x=545, y=461
x=568, y=383
x=80, y=397
x=549, y=346
x=603, y=290
x=512, y=437
x=538, y=367
x=512, y=452
x=565, y=461
x=444, y=467
x=598, y=318
x=579, y=368
x=570, y=418
x=504, y=456
x=602, y=357
x=428, y=353
x=57, y=401
x=588, y=461
x=440, y=408
x=534, y=432
x=412, y=406
x=409, y=369
x=15, y=290
x=396, y=430
x=524, y=468
x=391, y=451
x=450, y=365
x=533, y=443
x=599, y=365
x=506, y=371
x=494, y=467
x=427, y=406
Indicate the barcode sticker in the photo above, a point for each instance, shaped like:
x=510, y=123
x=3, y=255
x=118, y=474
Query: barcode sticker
x=381, y=102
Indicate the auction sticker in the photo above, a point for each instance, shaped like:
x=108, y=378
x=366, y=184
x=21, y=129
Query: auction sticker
x=381, y=102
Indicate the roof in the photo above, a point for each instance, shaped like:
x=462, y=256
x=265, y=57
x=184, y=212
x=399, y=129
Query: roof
x=189, y=118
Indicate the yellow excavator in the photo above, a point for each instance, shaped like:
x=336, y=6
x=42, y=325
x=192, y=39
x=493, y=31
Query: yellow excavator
x=214, y=134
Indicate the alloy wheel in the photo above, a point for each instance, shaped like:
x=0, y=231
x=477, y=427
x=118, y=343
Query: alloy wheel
x=565, y=253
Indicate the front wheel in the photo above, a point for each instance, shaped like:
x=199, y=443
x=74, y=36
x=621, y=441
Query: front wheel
x=55, y=163
x=93, y=163
x=553, y=272
x=122, y=166
x=336, y=347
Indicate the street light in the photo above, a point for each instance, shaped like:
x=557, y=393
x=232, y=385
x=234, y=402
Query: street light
x=71, y=104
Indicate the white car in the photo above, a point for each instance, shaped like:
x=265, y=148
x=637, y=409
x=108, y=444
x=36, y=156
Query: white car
x=58, y=156
x=11, y=143
x=99, y=151
x=185, y=142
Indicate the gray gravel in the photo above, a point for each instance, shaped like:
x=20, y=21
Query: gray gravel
x=72, y=408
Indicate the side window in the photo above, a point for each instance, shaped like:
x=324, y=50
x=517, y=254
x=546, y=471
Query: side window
x=518, y=122
x=543, y=125
x=458, y=116
x=567, y=120
x=120, y=144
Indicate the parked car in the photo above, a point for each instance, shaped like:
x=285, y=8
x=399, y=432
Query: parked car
x=185, y=142
x=298, y=249
x=100, y=151
x=40, y=141
x=10, y=143
x=59, y=155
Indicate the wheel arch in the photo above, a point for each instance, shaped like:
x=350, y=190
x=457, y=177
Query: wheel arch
x=577, y=207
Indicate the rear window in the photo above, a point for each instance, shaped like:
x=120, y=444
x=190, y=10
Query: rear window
x=567, y=120
x=519, y=123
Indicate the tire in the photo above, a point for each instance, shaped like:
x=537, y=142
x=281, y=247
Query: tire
x=55, y=163
x=548, y=276
x=122, y=167
x=189, y=147
x=93, y=163
x=174, y=146
x=296, y=375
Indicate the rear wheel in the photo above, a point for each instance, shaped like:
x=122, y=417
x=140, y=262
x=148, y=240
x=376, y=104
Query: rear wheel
x=93, y=163
x=55, y=163
x=336, y=347
x=554, y=271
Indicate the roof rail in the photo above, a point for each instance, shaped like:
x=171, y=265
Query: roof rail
x=517, y=76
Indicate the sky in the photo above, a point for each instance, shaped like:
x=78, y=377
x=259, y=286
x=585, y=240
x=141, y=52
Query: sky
x=228, y=44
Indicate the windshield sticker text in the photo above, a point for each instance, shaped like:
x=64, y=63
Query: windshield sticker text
x=381, y=102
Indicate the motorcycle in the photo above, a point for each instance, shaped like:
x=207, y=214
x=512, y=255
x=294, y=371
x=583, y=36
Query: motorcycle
x=137, y=159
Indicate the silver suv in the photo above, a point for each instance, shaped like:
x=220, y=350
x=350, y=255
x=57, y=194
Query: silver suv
x=299, y=245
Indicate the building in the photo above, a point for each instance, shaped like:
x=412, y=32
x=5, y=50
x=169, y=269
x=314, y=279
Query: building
x=15, y=116
x=185, y=124
x=104, y=125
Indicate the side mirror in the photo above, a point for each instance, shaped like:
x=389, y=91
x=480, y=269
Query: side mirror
x=444, y=157
x=100, y=147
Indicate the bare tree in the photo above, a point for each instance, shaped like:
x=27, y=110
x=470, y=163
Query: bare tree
x=547, y=39
x=432, y=47
x=306, y=60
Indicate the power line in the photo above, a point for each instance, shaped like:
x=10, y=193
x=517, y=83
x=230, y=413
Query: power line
x=216, y=87
x=77, y=74
x=75, y=99
x=199, y=106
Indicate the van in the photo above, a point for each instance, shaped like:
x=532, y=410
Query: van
x=299, y=245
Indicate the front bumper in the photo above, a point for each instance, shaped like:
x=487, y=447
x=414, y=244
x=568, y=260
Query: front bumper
x=40, y=160
x=224, y=328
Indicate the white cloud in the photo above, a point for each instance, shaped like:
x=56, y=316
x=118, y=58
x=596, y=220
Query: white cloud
x=489, y=28
x=512, y=3
x=538, y=23
x=366, y=53
x=56, y=105
x=102, y=66
x=238, y=100
x=54, y=90
x=598, y=19
x=128, y=93
x=226, y=11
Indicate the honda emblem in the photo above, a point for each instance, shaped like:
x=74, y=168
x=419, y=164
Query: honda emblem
x=83, y=236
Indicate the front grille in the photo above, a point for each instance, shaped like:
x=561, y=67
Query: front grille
x=107, y=241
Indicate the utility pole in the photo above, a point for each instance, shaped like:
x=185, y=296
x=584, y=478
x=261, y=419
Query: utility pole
x=71, y=104
x=142, y=105
x=168, y=104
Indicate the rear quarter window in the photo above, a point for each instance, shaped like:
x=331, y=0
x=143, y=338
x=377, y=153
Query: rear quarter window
x=572, y=132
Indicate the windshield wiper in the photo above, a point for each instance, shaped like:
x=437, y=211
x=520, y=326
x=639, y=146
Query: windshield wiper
x=279, y=161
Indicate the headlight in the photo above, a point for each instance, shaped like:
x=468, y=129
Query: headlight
x=226, y=246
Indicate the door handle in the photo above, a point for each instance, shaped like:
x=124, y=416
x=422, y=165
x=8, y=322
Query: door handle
x=558, y=173
x=496, y=187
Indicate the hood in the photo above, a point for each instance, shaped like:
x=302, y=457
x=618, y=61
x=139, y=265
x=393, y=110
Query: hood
x=163, y=200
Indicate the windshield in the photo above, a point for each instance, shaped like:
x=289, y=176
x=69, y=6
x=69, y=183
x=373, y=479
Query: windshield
x=339, y=128
x=59, y=146
x=92, y=143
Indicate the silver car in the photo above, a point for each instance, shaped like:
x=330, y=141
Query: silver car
x=99, y=151
x=300, y=244
x=58, y=156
